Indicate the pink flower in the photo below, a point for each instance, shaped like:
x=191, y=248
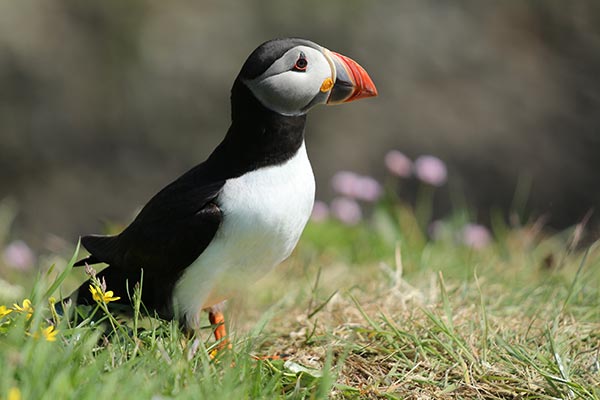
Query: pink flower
x=431, y=170
x=367, y=189
x=356, y=186
x=476, y=236
x=320, y=211
x=398, y=164
x=346, y=210
x=345, y=182
x=19, y=256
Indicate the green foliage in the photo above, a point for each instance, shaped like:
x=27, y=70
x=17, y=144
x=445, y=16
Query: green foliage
x=378, y=311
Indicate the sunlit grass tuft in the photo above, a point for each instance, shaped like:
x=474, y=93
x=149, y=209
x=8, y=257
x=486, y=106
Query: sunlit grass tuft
x=358, y=315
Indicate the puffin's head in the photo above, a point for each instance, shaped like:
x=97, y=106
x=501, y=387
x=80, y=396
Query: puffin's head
x=289, y=76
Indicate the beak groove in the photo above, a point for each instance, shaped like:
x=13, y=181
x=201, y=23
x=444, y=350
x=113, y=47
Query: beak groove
x=352, y=81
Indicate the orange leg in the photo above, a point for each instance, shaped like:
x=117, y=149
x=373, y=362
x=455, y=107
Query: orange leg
x=217, y=319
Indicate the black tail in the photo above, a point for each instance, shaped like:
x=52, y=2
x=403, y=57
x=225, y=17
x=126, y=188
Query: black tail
x=103, y=249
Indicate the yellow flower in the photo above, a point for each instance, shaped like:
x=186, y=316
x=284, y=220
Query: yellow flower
x=100, y=296
x=4, y=311
x=50, y=333
x=14, y=394
x=25, y=309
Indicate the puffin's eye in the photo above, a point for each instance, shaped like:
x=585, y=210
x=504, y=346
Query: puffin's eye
x=301, y=63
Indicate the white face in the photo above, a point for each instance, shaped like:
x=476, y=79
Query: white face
x=291, y=86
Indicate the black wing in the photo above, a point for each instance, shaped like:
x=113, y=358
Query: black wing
x=170, y=232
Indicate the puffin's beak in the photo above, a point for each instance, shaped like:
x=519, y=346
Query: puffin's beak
x=352, y=81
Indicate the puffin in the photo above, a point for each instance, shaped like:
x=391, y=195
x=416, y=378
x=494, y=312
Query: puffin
x=230, y=219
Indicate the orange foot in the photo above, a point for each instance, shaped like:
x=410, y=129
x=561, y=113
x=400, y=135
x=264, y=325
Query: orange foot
x=217, y=319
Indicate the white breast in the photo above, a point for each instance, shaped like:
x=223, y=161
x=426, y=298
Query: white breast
x=264, y=214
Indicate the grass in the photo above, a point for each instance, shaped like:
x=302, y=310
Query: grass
x=359, y=317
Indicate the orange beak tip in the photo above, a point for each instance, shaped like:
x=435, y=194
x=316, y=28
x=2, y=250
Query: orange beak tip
x=357, y=76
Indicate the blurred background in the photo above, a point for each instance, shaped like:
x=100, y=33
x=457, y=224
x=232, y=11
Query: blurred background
x=104, y=103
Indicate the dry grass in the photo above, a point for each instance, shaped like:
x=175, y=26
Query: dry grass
x=497, y=324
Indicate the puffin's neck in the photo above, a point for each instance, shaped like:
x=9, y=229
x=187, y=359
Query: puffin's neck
x=257, y=137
